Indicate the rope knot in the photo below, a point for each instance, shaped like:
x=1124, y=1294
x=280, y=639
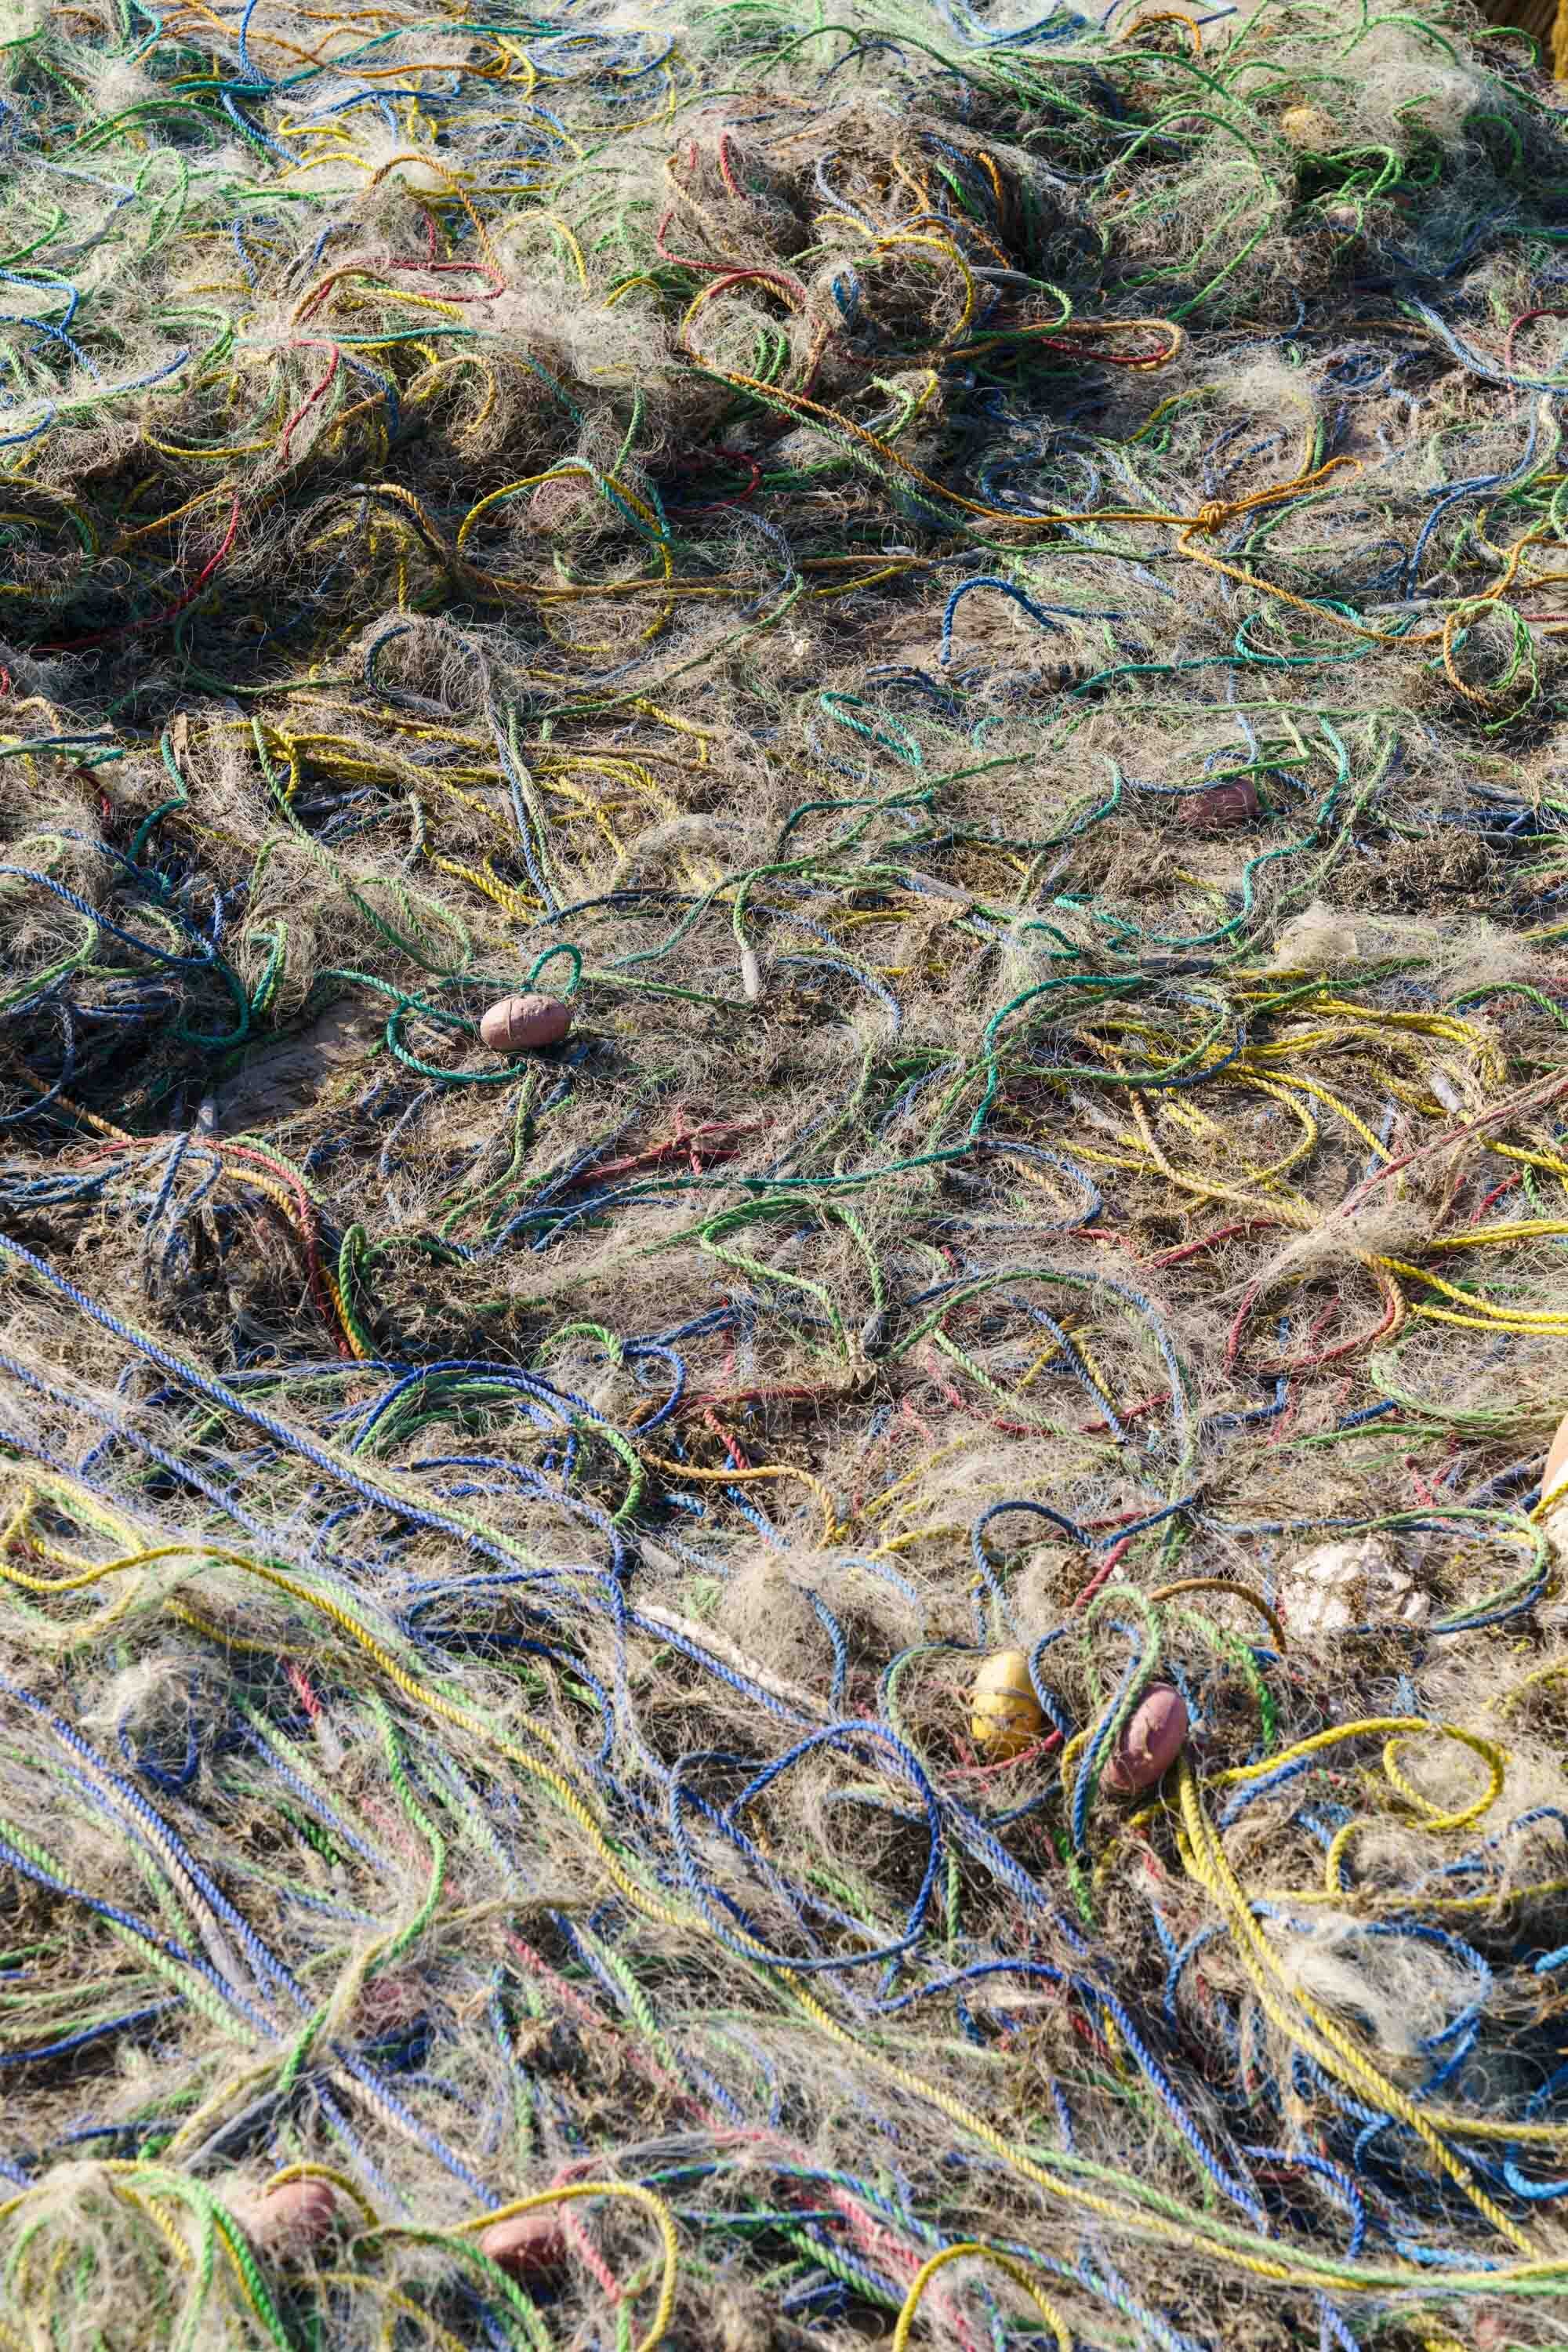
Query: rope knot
x=1211, y=516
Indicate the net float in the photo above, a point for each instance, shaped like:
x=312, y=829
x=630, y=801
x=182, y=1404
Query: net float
x=1004, y=1715
x=521, y=1025
x=526, y=2245
x=1556, y=1468
x=1217, y=811
x=287, y=2219
x=1150, y=1742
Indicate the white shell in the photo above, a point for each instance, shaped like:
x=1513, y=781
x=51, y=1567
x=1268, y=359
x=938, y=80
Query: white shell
x=1357, y=1582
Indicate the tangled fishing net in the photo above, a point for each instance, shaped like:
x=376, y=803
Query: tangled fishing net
x=983, y=601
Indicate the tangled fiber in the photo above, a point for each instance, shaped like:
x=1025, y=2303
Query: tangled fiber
x=983, y=601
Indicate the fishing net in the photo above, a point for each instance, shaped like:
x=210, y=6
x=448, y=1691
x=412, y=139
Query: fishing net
x=980, y=598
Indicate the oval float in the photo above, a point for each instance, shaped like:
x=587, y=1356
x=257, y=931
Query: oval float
x=1217, y=810
x=1004, y=1715
x=1151, y=1742
x=287, y=2219
x=521, y=1025
x=526, y=2245
x=1556, y=1468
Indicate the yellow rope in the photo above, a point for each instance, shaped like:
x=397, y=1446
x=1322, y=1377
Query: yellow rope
x=1206, y=1863
x=972, y=2251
